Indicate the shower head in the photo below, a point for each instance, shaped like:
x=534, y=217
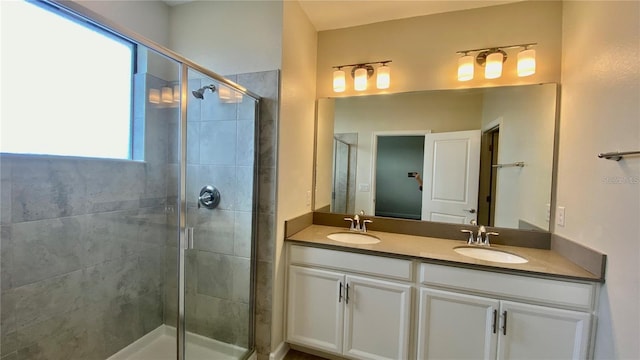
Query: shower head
x=199, y=94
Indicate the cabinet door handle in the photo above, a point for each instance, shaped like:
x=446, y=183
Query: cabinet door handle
x=504, y=324
x=340, y=293
x=495, y=321
x=346, y=297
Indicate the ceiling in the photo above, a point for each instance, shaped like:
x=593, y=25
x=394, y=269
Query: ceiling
x=337, y=14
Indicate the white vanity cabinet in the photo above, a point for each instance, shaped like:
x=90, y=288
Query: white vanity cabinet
x=349, y=304
x=520, y=318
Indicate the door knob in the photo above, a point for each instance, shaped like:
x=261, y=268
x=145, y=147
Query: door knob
x=472, y=211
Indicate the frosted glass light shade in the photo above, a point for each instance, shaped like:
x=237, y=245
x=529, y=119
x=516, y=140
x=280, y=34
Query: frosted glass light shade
x=167, y=95
x=228, y=95
x=360, y=79
x=224, y=93
x=339, y=82
x=465, y=68
x=526, y=62
x=176, y=93
x=154, y=96
x=383, y=79
x=493, y=66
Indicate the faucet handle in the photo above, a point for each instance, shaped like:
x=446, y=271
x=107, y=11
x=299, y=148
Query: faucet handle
x=473, y=222
x=364, y=224
x=352, y=227
x=486, y=237
x=470, y=241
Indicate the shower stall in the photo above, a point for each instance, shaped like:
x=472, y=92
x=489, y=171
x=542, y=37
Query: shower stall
x=150, y=255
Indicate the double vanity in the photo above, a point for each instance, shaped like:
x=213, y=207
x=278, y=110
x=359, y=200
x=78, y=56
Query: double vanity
x=386, y=295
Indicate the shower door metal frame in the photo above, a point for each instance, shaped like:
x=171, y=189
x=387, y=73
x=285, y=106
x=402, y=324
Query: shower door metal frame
x=79, y=11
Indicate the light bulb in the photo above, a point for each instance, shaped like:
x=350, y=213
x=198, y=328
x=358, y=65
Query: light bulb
x=360, y=79
x=383, y=79
x=339, y=82
x=465, y=68
x=493, y=66
x=526, y=62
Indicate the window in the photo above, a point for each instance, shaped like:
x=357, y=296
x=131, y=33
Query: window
x=66, y=85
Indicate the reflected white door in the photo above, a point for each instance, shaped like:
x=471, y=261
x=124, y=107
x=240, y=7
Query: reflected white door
x=450, y=181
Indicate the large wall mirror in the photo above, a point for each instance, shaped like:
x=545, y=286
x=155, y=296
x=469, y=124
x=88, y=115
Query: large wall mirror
x=452, y=156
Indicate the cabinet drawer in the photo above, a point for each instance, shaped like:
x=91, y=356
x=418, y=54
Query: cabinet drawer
x=566, y=294
x=391, y=268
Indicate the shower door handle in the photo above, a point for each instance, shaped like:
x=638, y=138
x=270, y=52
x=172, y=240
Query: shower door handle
x=188, y=239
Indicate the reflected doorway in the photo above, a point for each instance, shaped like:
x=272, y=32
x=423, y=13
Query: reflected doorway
x=397, y=193
x=343, y=195
x=488, y=176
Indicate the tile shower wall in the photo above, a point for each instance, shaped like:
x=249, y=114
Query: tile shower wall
x=267, y=86
x=83, y=250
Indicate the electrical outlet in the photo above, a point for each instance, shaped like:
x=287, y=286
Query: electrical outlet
x=308, y=197
x=548, y=212
x=560, y=215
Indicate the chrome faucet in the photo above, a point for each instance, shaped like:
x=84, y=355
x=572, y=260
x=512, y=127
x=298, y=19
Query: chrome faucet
x=355, y=222
x=482, y=237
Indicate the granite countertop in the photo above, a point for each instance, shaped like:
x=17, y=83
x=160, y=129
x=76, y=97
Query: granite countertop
x=542, y=263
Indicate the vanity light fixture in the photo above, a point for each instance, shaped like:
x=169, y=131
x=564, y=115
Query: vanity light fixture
x=493, y=58
x=361, y=74
x=166, y=95
x=383, y=79
x=176, y=93
x=465, y=67
x=154, y=96
x=228, y=95
x=526, y=62
x=339, y=82
x=493, y=64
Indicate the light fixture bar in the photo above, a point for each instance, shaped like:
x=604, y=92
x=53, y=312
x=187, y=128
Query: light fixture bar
x=384, y=62
x=361, y=72
x=465, y=52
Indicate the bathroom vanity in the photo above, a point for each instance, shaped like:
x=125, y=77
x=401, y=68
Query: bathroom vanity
x=415, y=297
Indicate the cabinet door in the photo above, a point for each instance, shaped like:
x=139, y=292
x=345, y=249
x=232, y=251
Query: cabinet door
x=376, y=319
x=539, y=332
x=456, y=326
x=314, y=309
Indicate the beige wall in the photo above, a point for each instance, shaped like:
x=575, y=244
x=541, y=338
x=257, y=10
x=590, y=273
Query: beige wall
x=423, y=49
x=324, y=152
x=438, y=111
x=527, y=116
x=600, y=113
x=229, y=37
x=295, y=140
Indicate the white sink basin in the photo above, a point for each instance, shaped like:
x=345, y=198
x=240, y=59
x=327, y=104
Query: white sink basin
x=489, y=254
x=354, y=238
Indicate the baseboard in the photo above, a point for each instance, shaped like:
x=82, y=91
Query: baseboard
x=280, y=352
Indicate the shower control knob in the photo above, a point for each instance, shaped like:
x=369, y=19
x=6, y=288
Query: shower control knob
x=209, y=197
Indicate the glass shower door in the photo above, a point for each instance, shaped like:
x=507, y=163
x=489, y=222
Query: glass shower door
x=220, y=220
